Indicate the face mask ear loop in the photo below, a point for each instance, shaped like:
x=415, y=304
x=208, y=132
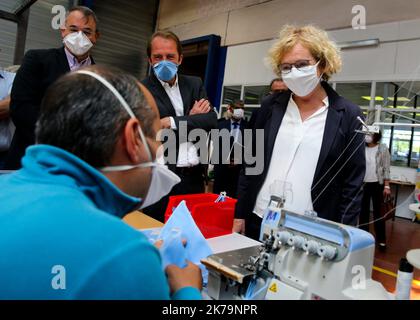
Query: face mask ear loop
x=123, y=103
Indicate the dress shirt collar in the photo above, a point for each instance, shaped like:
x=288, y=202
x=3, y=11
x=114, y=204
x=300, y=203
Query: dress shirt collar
x=74, y=63
x=167, y=85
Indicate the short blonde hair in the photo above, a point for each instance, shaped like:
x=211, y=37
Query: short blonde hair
x=315, y=40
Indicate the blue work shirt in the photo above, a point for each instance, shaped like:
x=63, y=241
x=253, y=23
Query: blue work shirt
x=62, y=237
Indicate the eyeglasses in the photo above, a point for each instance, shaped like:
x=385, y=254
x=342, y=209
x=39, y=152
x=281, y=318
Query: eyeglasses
x=88, y=33
x=300, y=64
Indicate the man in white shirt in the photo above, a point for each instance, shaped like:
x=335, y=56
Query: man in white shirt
x=182, y=100
x=226, y=171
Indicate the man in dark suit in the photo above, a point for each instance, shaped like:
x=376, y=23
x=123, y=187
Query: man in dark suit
x=276, y=86
x=40, y=68
x=182, y=101
x=226, y=175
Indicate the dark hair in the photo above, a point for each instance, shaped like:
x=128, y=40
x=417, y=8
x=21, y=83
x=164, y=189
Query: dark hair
x=275, y=80
x=165, y=35
x=80, y=115
x=376, y=137
x=237, y=104
x=87, y=12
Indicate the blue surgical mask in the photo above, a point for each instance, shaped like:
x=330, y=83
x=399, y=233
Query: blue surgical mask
x=165, y=70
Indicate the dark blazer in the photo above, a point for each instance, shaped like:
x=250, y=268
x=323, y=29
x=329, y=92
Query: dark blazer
x=226, y=176
x=39, y=69
x=338, y=195
x=226, y=124
x=191, y=89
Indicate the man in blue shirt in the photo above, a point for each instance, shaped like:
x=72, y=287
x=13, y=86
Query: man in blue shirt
x=6, y=126
x=61, y=233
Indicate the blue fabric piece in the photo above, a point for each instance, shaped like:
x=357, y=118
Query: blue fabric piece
x=173, y=251
x=151, y=234
x=196, y=248
x=59, y=211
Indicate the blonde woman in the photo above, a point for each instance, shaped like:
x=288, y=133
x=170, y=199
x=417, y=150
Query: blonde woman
x=310, y=138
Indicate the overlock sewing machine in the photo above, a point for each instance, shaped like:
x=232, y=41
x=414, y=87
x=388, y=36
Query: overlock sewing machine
x=301, y=257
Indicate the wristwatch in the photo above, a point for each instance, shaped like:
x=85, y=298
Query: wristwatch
x=387, y=187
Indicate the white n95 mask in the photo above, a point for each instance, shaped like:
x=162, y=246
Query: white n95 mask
x=302, y=81
x=163, y=179
x=238, y=113
x=368, y=138
x=77, y=43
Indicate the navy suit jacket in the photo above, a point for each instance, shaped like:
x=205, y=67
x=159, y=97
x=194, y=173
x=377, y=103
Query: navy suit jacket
x=191, y=89
x=337, y=192
x=226, y=124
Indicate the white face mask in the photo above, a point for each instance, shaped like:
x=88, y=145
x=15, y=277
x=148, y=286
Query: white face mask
x=77, y=43
x=238, y=114
x=163, y=180
x=368, y=138
x=302, y=81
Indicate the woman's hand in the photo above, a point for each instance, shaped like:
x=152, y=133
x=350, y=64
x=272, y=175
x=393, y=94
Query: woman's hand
x=387, y=192
x=239, y=226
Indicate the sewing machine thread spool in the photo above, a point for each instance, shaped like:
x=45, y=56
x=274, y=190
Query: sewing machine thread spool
x=311, y=246
x=327, y=252
x=296, y=242
x=284, y=236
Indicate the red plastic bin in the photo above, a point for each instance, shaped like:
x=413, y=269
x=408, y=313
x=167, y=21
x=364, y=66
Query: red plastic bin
x=213, y=219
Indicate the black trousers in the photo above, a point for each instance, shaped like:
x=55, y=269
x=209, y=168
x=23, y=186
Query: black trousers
x=253, y=226
x=192, y=181
x=373, y=191
x=226, y=179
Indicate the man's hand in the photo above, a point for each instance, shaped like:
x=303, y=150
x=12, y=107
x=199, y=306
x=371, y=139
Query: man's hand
x=158, y=244
x=200, y=107
x=165, y=123
x=178, y=278
x=239, y=226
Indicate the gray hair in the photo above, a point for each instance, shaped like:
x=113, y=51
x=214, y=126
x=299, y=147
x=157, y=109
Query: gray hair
x=80, y=115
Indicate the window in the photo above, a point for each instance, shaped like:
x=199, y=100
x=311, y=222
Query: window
x=358, y=93
x=400, y=98
x=398, y=101
x=231, y=93
x=415, y=149
x=255, y=94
